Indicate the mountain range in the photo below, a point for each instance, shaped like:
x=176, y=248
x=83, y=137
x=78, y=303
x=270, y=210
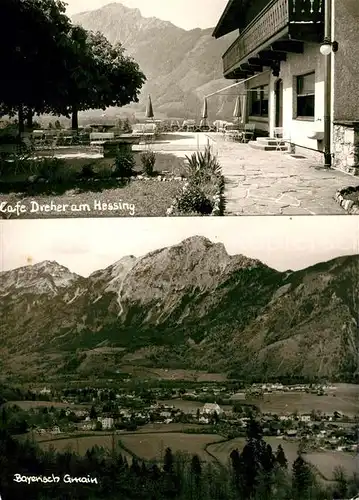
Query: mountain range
x=190, y=306
x=181, y=66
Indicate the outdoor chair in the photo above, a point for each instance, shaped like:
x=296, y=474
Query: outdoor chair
x=99, y=138
x=278, y=135
x=233, y=132
x=38, y=136
x=248, y=132
x=188, y=125
x=175, y=126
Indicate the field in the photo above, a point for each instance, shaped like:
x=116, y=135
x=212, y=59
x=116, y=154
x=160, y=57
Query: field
x=326, y=462
x=148, y=446
x=221, y=451
x=152, y=446
x=345, y=399
x=81, y=444
x=164, y=373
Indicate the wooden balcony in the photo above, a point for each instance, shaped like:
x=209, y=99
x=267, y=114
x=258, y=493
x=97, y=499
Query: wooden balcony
x=281, y=21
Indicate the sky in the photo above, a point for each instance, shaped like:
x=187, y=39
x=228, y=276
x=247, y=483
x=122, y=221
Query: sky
x=186, y=14
x=86, y=245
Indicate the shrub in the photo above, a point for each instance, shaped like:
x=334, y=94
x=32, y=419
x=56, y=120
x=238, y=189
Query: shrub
x=126, y=126
x=105, y=170
x=193, y=200
x=49, y=168
x=202, y=166
x=124, y=164
x=87, y=171
x=148, y=159
x=9, y=135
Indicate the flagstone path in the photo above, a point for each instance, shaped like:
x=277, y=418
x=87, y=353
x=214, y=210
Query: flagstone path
x=274, y=183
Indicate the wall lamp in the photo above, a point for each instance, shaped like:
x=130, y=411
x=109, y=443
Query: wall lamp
x=327, y=47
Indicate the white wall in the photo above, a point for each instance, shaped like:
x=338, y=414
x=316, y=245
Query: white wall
x=298, y=64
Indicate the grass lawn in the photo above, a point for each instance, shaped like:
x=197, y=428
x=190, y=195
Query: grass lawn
x=75, y=198
x=136, y=198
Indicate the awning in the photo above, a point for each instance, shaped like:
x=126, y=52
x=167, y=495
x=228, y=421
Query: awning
x=235, y=85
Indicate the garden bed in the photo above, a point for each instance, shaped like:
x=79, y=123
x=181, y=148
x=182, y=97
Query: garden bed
x=145, y=184
x=348, y=199
x=69, y=169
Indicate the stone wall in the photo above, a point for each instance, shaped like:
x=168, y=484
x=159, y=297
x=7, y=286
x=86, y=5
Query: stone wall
x=346, y=147
x=346, y=60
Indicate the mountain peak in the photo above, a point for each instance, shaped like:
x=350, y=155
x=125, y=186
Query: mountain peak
x=47, y=276
x=181, y=66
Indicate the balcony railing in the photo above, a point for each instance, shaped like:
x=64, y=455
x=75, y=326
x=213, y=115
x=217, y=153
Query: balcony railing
x=277, y=15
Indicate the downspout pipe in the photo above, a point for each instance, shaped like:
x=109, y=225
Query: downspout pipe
x=327, y=86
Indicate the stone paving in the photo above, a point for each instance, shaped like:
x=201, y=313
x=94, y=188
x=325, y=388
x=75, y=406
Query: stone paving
x=274, y=183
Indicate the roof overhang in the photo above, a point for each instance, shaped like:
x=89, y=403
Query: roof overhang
x=229, y=20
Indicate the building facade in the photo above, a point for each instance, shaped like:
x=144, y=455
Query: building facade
x=277, y=56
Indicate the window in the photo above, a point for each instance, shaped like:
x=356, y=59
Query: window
x=259, y=101
x=306, y=96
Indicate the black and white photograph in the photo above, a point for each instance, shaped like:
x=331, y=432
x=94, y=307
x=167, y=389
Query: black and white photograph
x=174, y=108
x=205, y=359
x=179, y=250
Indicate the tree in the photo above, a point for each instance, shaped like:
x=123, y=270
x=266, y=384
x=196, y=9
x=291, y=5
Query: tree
x=168, y=461
x=32, y=56
x=302, y=480
x=66, y=68
x=236, y=467
x=342, y=482
x=98, y=75
x=196, y=470
x=281, y=458
x=93, y=413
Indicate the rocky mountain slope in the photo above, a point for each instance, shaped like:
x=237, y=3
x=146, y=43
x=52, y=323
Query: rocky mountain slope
x=181, y=66
x=186, y=306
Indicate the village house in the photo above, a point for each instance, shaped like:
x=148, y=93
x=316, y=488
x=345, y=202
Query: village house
x=45, y=391
x=87, y=426
x=297, y=61
x=291, y=432
x=211, y=408
x=305, y=418
x=107, y=422
x=165, y=414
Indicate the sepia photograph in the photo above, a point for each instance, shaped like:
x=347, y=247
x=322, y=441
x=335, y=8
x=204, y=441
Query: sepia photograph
x=179, y=250
x=136, y=108
x=186, y=358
